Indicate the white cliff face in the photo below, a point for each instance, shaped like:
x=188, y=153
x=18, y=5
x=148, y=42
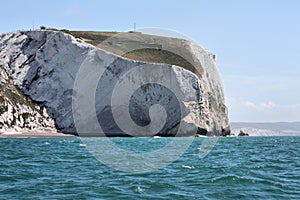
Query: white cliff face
x=45, y=64
x=215, y=114
x=17, y=113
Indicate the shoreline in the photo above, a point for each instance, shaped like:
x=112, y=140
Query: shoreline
x=35, y=135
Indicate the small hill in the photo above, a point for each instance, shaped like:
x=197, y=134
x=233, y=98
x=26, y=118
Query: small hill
x=141, y=47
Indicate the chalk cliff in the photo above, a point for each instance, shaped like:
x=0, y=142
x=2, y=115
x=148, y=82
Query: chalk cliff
x=45, y=65
x=18, y=113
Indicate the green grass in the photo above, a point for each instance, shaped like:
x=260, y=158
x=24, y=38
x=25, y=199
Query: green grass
x=141, y=47
x=16, y=96
x=162, y=56
x=91, y=37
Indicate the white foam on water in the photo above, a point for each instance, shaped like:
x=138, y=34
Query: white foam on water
x=139, y=189
x=188, y=167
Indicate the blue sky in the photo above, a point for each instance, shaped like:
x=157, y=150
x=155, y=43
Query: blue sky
x=257, y=42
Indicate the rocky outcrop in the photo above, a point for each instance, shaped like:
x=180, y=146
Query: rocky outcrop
x=45, y=66
x=242, y=133
x=18, y=113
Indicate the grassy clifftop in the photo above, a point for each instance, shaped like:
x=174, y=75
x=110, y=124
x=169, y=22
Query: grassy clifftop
x=141, y=47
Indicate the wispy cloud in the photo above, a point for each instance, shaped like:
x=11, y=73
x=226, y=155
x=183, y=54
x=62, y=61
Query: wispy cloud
x=265, y=98
x=250, y=104
x=245, y=110
x=271, y=106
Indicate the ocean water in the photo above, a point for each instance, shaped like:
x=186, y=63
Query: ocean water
x=236, y=168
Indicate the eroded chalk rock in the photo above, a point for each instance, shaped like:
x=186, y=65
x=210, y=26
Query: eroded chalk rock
x=45, y=66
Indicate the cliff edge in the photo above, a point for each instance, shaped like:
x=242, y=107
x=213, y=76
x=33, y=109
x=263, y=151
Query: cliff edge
x=45, y=65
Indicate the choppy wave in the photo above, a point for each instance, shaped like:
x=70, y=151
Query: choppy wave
x=236, y=168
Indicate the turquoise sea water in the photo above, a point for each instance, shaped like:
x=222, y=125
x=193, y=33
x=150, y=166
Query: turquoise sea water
x=236, y=168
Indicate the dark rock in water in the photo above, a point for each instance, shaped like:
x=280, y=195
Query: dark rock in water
x=226, y=131
x=242, y=133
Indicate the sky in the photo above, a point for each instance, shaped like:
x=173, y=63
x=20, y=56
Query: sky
x=257, y=42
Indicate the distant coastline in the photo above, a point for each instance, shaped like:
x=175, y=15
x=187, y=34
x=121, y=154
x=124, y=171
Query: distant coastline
x=266, y=129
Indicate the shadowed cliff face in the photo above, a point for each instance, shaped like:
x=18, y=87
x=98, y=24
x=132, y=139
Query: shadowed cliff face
x=122, y=96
